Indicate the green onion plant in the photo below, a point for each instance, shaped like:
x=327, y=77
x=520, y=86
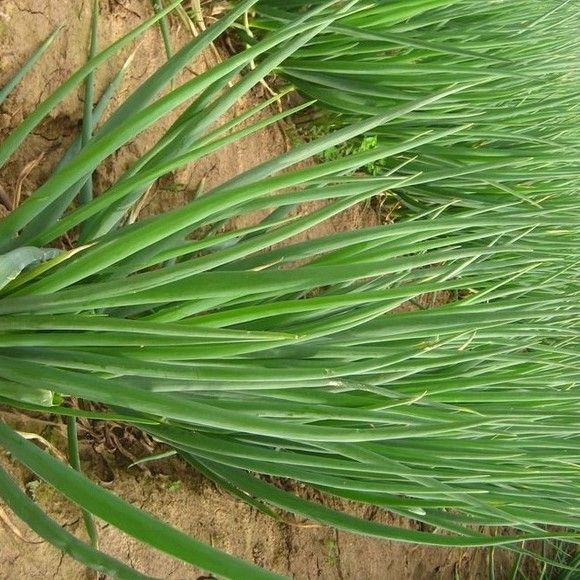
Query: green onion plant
x=252, y=354
x=523, y=116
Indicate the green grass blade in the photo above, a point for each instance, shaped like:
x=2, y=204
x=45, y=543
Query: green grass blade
x=13, y=82
x=114, y=510
x=29, y=512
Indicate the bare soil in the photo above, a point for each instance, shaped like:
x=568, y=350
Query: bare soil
x=168, y=489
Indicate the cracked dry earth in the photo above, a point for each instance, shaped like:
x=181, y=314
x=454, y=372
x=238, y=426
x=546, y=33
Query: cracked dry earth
x=170, y=490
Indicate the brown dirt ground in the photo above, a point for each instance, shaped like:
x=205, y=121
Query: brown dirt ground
x=167, y=488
